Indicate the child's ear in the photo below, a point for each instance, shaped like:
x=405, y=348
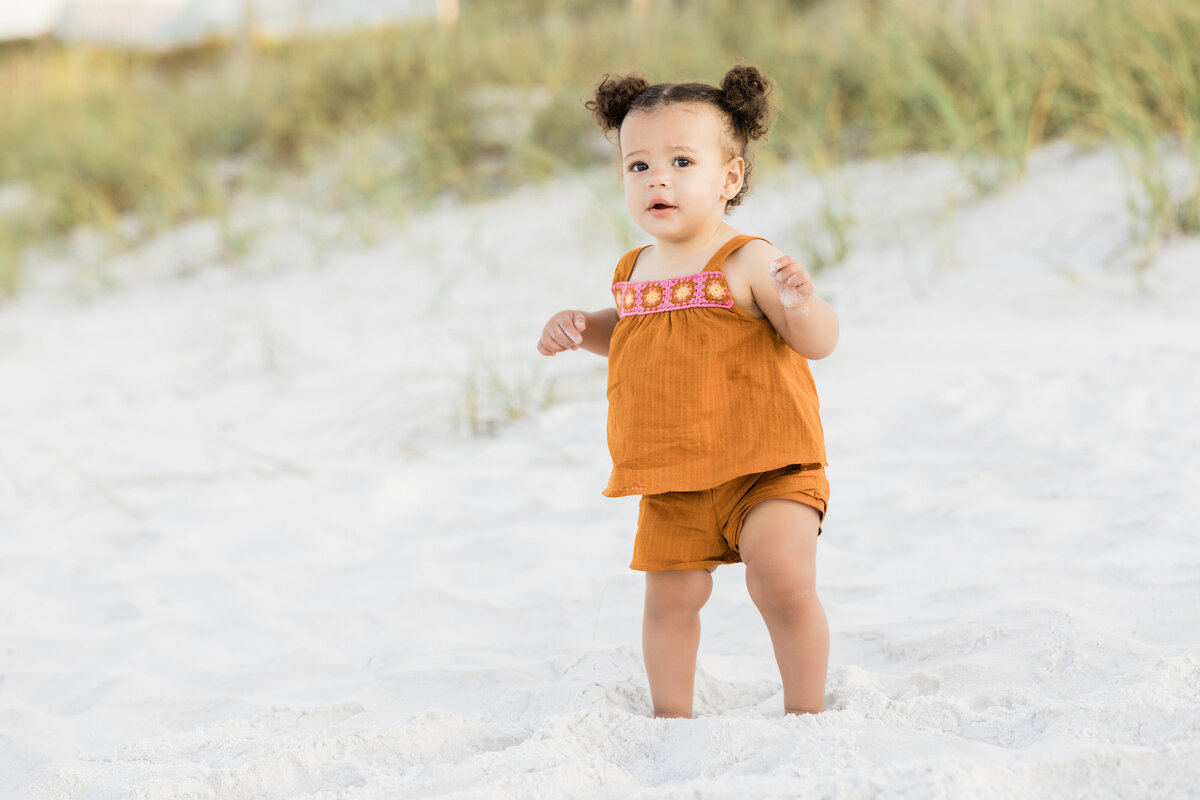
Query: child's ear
x=735, y=173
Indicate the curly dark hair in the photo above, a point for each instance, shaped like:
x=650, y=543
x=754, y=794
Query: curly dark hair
x=741, y=99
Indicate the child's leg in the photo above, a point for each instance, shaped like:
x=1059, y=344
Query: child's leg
x=671, y=636
x=778, y=542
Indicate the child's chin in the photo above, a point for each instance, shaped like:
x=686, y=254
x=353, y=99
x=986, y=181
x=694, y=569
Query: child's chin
x=668, y=226
x=667, y=233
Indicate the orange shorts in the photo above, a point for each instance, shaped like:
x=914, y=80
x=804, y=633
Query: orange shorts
x=694, y=530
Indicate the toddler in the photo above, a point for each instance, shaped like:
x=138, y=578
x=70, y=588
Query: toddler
x=713, y=414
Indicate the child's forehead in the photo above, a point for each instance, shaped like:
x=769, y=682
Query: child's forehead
x=698, y=124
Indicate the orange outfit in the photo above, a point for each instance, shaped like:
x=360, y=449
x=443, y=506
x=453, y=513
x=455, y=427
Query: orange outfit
x=701, y=393
x=695, y=530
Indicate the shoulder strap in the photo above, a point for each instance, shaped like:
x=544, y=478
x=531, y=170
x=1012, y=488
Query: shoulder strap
x=625, y=265
x=714, y=263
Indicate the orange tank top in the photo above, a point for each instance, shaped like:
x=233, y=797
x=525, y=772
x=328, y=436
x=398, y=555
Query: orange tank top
x=699, y=391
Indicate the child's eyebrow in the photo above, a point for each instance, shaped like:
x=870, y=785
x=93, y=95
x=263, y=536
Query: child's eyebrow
x=676, y=148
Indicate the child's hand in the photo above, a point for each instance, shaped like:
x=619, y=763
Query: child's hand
x=564, y=331
x=792, y=281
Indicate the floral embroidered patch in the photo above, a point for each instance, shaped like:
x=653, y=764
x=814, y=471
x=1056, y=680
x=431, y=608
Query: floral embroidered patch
x=704, y=289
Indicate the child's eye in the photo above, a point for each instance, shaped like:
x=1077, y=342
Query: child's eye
x=638, y=166
x=680, y=161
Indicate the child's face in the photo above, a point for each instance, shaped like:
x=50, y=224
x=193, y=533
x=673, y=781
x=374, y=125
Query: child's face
x=675, y=170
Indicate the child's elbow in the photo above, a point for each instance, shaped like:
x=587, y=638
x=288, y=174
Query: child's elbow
x=815, y=348
x=815, y=353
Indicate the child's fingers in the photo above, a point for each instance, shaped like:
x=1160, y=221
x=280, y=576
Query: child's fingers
x=792, y=281
x=562, y=332
x=796, y=276
x=781, y=263
x=560, y=335
x=786, y=271
x=549, y=344
x=791, y=275
x=567, y=335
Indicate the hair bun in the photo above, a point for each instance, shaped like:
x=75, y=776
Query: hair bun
x=613, y=98
x=744, y=90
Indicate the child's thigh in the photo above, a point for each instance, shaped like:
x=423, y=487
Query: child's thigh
x=780, y=531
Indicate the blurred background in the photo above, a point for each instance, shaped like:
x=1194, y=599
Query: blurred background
x=129, y=116
x=290, y=507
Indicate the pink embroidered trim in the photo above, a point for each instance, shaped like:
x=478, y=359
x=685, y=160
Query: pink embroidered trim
x=704, y=289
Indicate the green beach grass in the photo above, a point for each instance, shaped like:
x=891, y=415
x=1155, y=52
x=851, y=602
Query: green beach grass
x=89, y=136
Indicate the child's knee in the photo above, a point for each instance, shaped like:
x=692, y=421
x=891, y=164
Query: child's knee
x=677, y=591
x=786, y=590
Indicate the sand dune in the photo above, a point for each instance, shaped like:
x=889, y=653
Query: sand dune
x=330, y=528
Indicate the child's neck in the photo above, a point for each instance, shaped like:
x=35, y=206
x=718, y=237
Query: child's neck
x=694, y=249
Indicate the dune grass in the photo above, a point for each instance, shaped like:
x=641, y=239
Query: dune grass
x=495, y=100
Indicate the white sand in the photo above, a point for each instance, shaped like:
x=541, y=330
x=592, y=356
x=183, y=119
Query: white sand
x=251, y=548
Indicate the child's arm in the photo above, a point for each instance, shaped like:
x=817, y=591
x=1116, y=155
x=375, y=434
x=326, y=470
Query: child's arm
x=571, y=330
x=785, y=293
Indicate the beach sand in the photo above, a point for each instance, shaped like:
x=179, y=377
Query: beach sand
x=322, y=524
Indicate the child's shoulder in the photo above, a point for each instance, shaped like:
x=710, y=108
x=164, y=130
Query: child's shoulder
x=754, y=255
x=749, y=267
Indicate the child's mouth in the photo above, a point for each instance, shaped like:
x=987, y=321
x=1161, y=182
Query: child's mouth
x=661, y=208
